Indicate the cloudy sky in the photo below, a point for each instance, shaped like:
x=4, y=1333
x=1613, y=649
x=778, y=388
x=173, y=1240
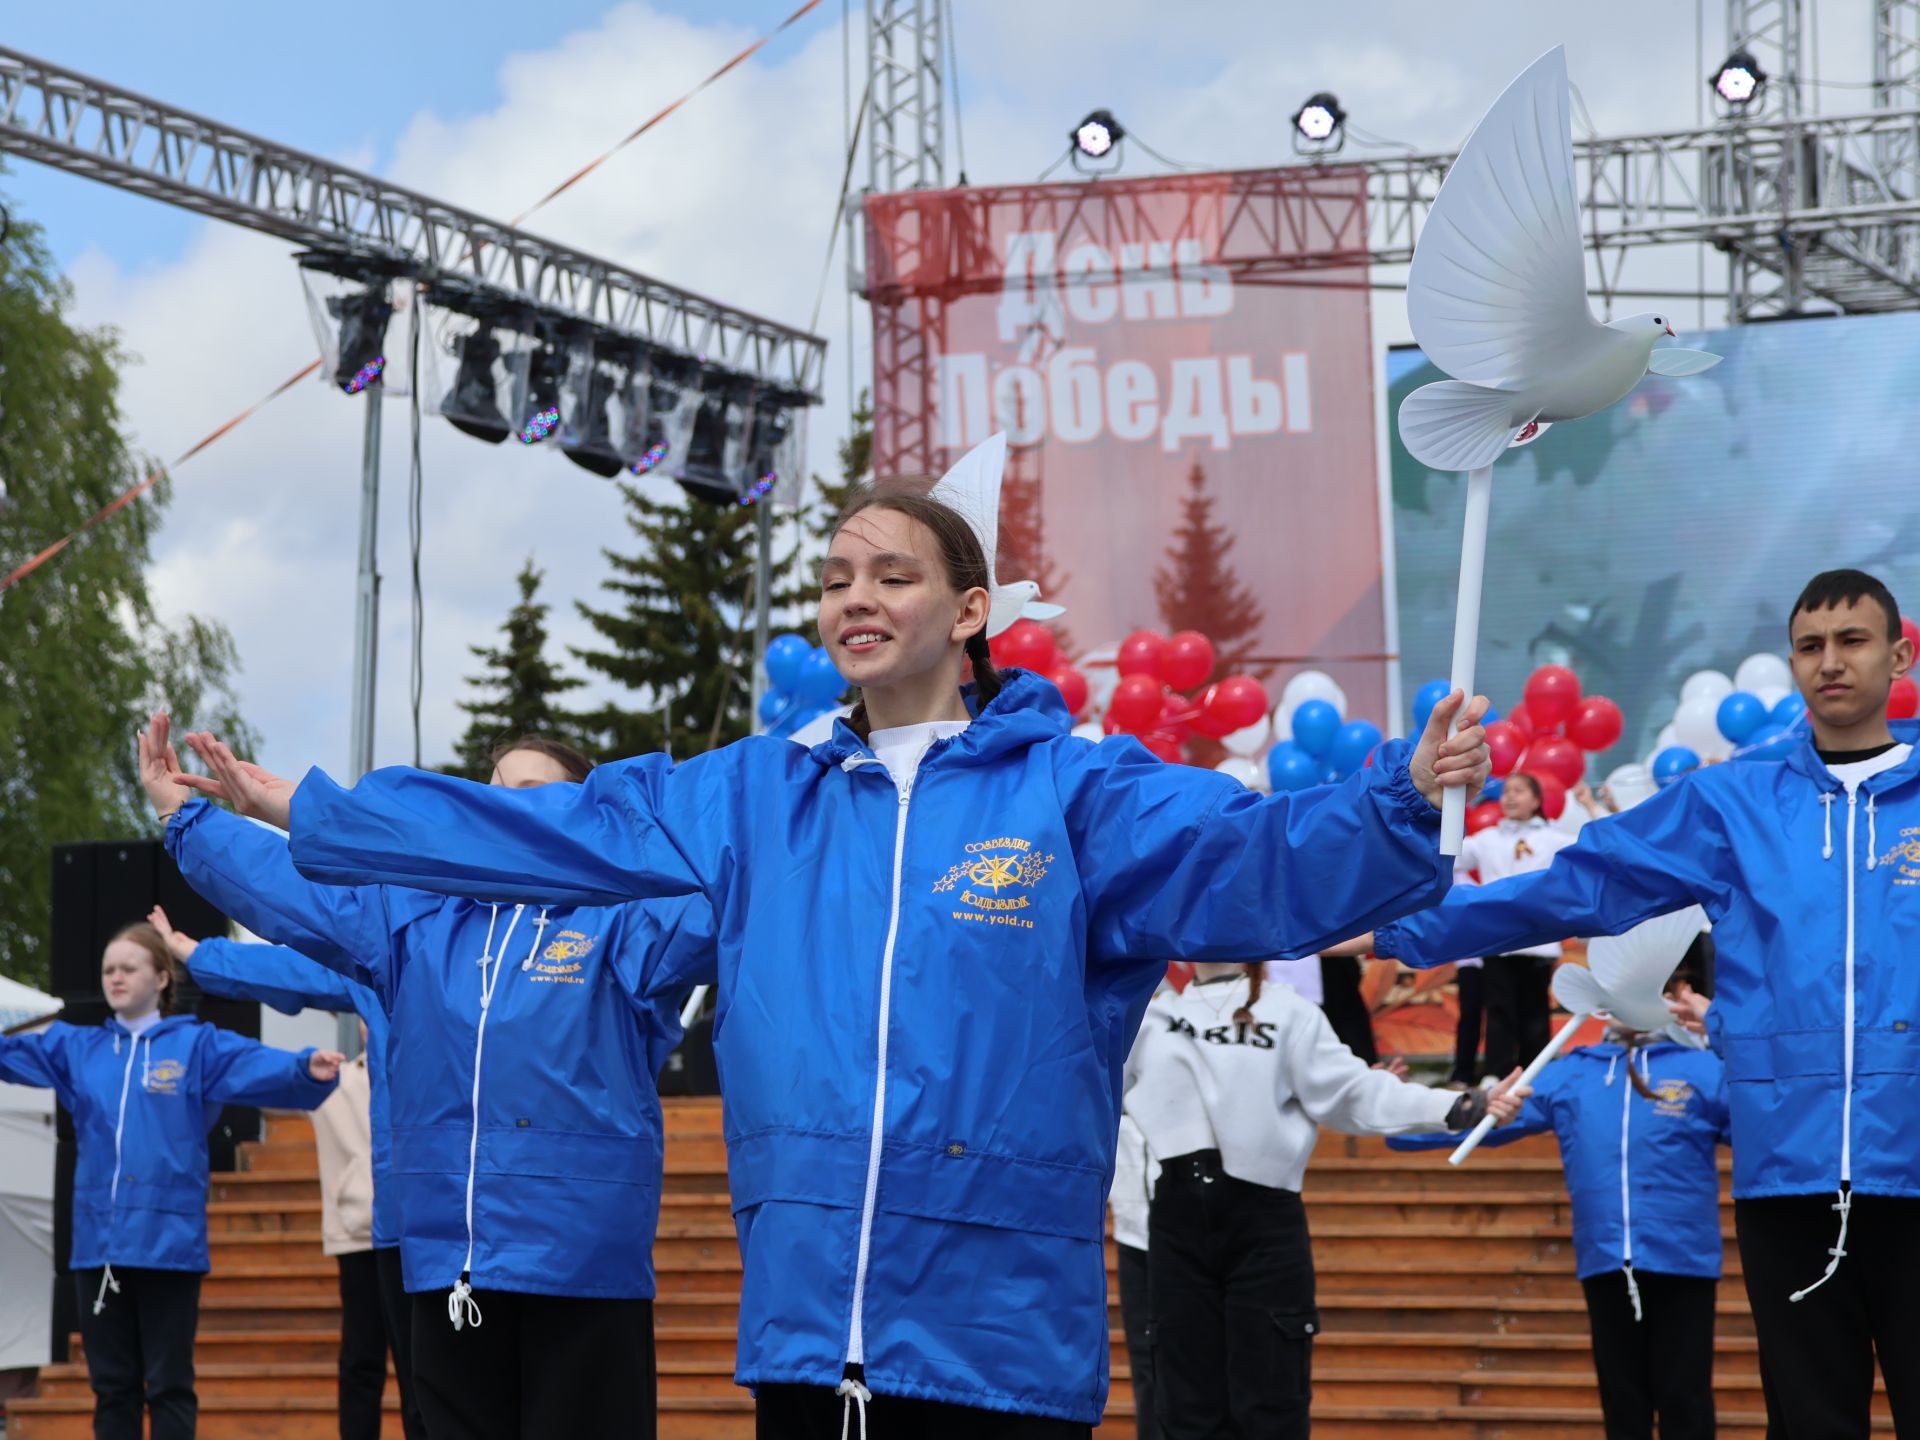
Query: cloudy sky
x=487, y=104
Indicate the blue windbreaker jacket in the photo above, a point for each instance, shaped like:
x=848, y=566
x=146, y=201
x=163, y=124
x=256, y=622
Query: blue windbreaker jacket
x=290, y=982
x=926, y=997
x=1642, y=1173
x=559, y=1145
x=1815, y=903
x=141, y=1112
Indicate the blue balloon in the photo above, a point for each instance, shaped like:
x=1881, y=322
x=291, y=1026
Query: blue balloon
x=1289, y=770
x=1314, y=726
x=1761, y=744
x=819, y=683
x=1425, y=698
x=1787, y=710
x=772, y=705
x=1493, y=789
x=1673, y=762
x=1740, y=714
x=786, y=655
x=1351, y=746
x=1330, y=774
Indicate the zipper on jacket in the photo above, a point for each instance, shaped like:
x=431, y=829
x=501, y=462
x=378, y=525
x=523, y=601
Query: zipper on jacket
x=119, y=1127
x=1626, y=1190
x=856, y=1335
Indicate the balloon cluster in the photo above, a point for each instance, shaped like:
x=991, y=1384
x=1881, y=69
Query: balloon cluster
x=1028, y=645
x=1148, y=702
x=802, y=685
x=1314, y=743
x=1548, y=735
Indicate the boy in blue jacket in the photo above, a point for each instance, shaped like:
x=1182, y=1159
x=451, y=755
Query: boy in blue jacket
x=1809, y=867
x=144, y=1089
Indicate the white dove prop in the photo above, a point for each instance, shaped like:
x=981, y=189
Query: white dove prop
x=1497, y=298
x=972, y=487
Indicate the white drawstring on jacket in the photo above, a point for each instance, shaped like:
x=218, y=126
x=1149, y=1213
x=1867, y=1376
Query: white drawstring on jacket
x=853, y=1394
x=107, y=1282
x=1839, y=1250
x=1873, y=838
x=1826, y=850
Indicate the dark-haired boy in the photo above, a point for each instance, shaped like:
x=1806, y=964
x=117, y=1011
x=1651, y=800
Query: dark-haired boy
x=1808, y=864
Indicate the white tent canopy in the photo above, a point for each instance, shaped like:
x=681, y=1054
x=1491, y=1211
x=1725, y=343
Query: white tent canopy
x=26, y=1199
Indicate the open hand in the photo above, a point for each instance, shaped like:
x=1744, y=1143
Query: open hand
x=324, y=1065
x=1505, y=1099
x=1689, y=1007
x=1445, y=761
x=181, y=947
x=1394, y=1066
x=249, y=789
x=159, y=767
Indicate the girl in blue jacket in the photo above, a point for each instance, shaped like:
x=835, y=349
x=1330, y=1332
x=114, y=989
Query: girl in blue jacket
x=144, y=1089
x=1639, y=1120
x=935, y=936
x=526, y=1130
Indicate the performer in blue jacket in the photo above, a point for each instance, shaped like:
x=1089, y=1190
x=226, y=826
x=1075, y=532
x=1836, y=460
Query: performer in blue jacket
x=1639, y=1120
x=527, y=1135
x=936, y=934
x=144, y=1089
x=289, y=982
x=1809, y=867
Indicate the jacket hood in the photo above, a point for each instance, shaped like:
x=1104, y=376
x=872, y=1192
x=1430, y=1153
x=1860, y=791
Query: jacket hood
x=167, y=1023
x=1609, y=1050
x=1027, y=711
x=1801, y=756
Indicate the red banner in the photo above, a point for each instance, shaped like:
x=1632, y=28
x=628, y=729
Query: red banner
x=1183, y=366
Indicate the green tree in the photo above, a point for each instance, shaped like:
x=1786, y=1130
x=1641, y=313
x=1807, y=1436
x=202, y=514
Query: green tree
x=519, y=689
x=82, y=655
x=1197, y=588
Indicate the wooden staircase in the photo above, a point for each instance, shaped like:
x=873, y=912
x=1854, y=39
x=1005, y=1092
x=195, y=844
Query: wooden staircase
x=1448, y=1301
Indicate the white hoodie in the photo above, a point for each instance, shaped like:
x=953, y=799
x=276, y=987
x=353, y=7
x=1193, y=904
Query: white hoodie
x=1258, y=1093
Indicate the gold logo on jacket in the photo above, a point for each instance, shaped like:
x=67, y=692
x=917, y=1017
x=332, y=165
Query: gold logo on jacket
x=995, y=881
x=1673, y=1096
x=164, y=1078
x=1905, y=857
x=562, y=962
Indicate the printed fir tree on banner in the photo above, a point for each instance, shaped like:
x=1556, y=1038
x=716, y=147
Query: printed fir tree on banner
x=1197, y=588
x=518, y=688
x=830, y=501
x=1023, y=533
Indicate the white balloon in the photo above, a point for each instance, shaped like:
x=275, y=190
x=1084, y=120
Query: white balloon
x=1667, y=738
x=1249, y=774
x=1772, y=695
x=1706, y=685
x=1763, y=672
x=1696, y=725
x=1313, y=685
x=1630, y=784
x=1252, y=741
x=1102, y=677
x=1090, y=730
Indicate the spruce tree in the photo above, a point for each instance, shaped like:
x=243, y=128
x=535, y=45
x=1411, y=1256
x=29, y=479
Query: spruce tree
x=518, y=689
x=1197, y=588
x=1023, y=534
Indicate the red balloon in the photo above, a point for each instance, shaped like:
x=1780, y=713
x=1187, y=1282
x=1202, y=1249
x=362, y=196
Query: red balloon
x=1904, y=701
x=1144, y=652
x=1189, y=660
x=1508, y=742
x=1236, y=702
x=1209, y=721
x=1552, y=692
x=1136, y=703
x=1072, y=686
x=1163, y=747
x=1521, y=721
x=1553, y=795
x=1910, y=630
x=1558, y=757
x=1025, y=645
x=1483, y=816
x=1176, y=717
x=1596, y=724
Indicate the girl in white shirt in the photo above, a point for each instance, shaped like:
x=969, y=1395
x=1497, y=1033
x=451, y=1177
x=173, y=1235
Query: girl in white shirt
x=1229, y=1082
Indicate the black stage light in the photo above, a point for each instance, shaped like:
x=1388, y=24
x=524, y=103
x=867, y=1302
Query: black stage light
x=588, y=440
x=363, y=317
x=540, y=415
x=1319, y=126
x=1096, y=135
x=1738, y=80
x=473, y=405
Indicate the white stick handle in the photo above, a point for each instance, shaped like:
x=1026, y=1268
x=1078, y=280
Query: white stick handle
x=691, y=1010
x=1552, y=1048
x=1466, y=635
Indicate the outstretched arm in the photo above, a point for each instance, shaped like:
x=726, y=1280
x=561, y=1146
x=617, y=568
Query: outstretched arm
x=278, y=976
x=240, y=1071
x=40, y=1060
x=1534, y=1117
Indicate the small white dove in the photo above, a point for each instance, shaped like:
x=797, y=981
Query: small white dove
x=972, y=487
x=1626, y=974
x=1497, y=293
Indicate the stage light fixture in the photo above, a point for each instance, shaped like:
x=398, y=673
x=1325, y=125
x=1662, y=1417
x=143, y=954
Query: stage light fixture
x=1739, y=79
x=588, y=440
x=1096, y=135
x=540, y=414
x=473, y=404
x=1319, y=126
x=363, y=317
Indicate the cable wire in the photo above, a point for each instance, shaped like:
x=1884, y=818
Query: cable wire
x=839, y=209
x=953, y=70
x=416, y=526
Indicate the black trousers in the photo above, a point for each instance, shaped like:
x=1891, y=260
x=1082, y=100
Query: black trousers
x=813, y=1412
x=1816, y=1354
x=536, y=1366
x=363, y=1346
x=1233, y=1305
x=1517, y=1007
x=140, y=1351
x=1660, y=1364
x=1344, y=1006
x=1466, y=1034
x=396, y=1314
x=1135, y=1316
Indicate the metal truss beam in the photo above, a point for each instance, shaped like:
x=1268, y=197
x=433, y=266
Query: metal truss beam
x=88, y=127
x=907, y=145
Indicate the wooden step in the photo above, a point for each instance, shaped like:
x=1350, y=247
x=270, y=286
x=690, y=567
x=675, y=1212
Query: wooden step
x=221, y=1380
x=304, y=1418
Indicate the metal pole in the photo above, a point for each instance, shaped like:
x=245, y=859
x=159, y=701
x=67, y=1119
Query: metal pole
x=762, y=600
x=366, y=610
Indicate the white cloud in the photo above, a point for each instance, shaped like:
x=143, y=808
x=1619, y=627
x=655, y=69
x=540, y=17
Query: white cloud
x=732, y=197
